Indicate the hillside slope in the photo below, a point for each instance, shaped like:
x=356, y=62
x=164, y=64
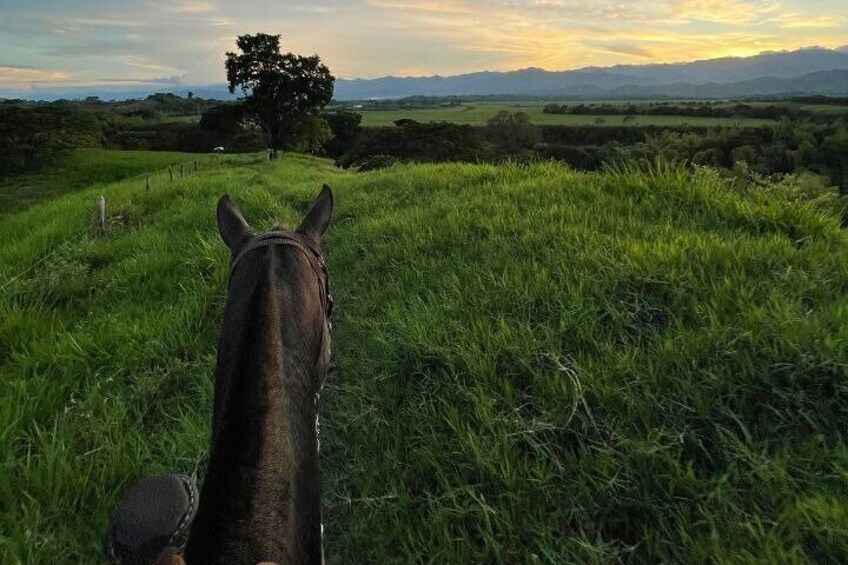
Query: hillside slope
x=82, y=168
x=531, y=361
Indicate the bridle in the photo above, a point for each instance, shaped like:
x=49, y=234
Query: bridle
x=293, y=239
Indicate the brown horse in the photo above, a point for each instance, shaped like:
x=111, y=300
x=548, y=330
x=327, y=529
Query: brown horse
x=261, y=495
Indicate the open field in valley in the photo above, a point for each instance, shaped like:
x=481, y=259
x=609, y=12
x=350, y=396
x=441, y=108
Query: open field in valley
x=477, y=113
x=532, y=363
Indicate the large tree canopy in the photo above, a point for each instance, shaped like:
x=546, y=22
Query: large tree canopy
x=279, y=89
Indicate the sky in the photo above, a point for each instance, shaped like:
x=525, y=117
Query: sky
x=56, y=43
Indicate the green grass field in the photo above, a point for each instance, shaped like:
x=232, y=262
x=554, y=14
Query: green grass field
x=83, y=168
x=477, y=113
x=534, y=364
x=827, y=110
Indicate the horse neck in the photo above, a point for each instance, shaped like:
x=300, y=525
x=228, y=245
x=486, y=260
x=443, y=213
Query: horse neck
x=261, y=495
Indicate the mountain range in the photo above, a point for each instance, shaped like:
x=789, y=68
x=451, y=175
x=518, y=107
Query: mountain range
x=813, y=70
x=806, y=71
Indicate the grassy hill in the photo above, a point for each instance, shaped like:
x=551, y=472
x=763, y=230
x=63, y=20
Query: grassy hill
x=534, y=364
x=82, y=168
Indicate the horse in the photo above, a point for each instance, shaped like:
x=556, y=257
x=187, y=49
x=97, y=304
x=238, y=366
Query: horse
x=261, y=495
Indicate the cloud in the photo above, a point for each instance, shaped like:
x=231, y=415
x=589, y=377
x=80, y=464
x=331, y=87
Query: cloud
x=18, y=67
x=730, y=12
x=441, y=7
x=632, y=49
x=192, y=7
x=795, y=20
x=136, y=40
x=21, y=75
x=562, y=34
x=171, y=81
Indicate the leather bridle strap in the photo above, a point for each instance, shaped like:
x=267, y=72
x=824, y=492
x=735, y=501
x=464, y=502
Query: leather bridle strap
x=316, y=260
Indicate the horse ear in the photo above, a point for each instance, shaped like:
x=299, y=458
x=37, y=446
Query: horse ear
x=231, y=224
x=317, y=219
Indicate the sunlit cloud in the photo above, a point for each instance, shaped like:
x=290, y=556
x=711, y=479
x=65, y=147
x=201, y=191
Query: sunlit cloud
x=435, y=6
x=796, y=20
x=633, y=49
x=20, y=75
x=731, y=12
x=191, y=7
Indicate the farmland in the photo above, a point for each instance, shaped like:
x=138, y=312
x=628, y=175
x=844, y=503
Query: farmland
x=477, y=113
x=643, y=364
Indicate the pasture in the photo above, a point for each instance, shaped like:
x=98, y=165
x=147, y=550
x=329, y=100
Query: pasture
x=477, y=113
x=82, y=168
x=532, y=364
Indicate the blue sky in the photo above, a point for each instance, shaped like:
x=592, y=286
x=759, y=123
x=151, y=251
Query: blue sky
x=108, y=42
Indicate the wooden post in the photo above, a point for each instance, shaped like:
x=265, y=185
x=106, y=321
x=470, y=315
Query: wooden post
x=170, y=173
x=101, y=215
x=195, y=166
x=181, y=170
x=147, y=183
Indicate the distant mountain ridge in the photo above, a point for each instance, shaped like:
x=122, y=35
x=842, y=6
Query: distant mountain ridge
x=780, y=64
x=774, y=72
x=813, y=70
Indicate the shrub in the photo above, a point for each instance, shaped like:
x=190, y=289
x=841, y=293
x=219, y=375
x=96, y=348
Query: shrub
x=31, y=138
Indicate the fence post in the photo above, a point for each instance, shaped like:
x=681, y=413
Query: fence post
x=181, y=170
x=170, y=173
x=195, y=166
x=147, y=183
x=101, y=215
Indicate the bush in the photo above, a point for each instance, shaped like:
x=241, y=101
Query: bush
x=377, y=162
x=345, y=128
x=583, y=158
x=512, y=133
x=308, y=134
x=224, y=122
x=32, y=138
x=431, y=142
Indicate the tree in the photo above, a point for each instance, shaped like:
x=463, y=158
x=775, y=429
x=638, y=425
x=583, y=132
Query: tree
x=223, y=121
x=345, y=129
x=834, y=155
x=344, y=125
x=512, y=133
x=280, y=89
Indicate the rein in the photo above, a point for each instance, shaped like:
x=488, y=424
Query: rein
x=316, y=260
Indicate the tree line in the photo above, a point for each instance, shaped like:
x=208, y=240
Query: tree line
x=34, y=137
x=789, y=146
x=694, y=110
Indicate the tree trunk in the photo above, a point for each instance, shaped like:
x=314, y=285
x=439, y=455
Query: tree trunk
x=272, y=146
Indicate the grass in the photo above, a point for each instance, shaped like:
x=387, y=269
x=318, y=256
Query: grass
x=534, y=364
x=478, y=113
x=80, y=169
x=826, y=109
